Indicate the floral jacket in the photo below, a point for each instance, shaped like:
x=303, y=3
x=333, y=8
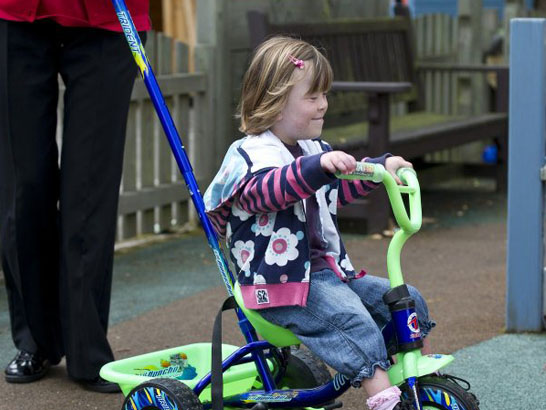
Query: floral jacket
x=257, y=202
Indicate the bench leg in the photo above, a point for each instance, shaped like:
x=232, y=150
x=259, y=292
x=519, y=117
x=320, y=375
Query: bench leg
x=379, y=212
x=502, y=164
x=366, y=215
x=379, y=117
x=375, y=209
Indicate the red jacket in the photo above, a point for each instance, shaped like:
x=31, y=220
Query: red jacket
x=76, y=13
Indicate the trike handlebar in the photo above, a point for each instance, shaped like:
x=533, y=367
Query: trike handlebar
x=376, y=173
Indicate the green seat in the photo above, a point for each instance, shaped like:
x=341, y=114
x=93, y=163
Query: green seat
x=276, y=335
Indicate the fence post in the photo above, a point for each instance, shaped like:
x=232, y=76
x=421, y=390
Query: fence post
x=512, y=9
x=212, y=57
x=525, y=250
x=469, y=88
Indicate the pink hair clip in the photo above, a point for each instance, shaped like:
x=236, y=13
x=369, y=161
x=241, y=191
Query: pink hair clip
x=296, y=61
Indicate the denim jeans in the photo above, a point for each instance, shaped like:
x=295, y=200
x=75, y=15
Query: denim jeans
x=342, y=322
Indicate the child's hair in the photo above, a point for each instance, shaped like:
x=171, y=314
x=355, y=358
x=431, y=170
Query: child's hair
x=268, y=80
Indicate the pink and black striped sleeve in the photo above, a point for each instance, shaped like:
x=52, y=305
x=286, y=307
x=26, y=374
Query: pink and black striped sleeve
x=276, y=189
x=349, y=190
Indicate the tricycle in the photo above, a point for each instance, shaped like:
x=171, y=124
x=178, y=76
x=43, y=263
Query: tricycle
x=273, y=371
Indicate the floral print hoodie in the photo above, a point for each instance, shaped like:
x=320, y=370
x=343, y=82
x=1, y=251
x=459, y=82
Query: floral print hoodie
x=257, y=203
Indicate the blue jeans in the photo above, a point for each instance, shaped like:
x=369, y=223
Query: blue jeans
x=342, y=322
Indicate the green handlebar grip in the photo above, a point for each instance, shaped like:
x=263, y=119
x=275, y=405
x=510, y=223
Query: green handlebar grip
x=366, y=171
x=376, y=172
x=403, y=171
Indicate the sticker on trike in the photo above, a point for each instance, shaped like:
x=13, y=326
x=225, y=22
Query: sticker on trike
x=413, y=325
x=269, y=398
x=177, y=367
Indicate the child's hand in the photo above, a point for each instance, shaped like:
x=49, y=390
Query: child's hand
x=338, y=161
x=393, y=164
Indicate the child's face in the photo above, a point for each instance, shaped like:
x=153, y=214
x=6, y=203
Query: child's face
x=302, y=116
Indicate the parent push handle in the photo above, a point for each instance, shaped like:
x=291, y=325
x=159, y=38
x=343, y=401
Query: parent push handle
x=173, y=137
x=376, y=173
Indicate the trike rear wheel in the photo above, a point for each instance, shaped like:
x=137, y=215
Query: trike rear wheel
x=304, y=371
x=162, y=394
x=441, y=392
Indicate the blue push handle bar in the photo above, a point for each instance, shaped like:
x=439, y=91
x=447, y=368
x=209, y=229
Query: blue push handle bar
x=175, y=142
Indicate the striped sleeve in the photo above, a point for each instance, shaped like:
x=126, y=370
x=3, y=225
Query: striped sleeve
x=276, y=189
x=349, y=190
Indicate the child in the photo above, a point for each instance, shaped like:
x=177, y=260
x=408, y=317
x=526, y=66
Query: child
x=275, y=199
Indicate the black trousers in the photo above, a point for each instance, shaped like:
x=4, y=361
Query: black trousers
x=57, y=224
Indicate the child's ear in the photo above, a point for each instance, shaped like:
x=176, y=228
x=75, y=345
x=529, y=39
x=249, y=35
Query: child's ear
x=279, y=117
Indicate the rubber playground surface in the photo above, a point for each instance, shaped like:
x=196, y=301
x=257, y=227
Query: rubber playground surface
x=167, y=294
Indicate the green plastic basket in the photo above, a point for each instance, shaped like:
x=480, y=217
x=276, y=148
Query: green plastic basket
x=189, y=364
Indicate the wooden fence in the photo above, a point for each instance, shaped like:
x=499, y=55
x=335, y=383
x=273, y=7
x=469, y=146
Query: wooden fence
x=438, y=39
x=153, y=195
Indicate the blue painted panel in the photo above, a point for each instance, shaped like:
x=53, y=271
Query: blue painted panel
x=495, y=4
x=527, y=142
x=420, y=7
x=499, y=5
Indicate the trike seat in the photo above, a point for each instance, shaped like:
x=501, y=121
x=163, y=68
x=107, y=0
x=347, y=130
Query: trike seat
x=276, y=335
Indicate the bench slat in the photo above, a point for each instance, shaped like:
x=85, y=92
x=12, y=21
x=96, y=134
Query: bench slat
x=416, y=134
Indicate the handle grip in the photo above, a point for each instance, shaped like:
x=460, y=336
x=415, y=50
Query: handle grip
x=365, y=171
x=376, y=172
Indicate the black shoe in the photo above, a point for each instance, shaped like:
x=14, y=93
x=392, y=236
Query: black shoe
x=98, y=384
x=26, y=367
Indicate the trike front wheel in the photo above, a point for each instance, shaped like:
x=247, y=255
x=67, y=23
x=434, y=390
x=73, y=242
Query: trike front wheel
x=442, y=392
x=162, y=394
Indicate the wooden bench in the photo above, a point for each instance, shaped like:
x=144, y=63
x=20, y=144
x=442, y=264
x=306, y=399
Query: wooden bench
x=373, y=63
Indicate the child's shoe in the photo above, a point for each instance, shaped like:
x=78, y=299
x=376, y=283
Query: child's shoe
x=388, y=399
x=404, y=405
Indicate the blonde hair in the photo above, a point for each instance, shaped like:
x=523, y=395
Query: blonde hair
x=269, y=79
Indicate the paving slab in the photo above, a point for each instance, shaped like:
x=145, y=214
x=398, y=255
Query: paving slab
x=507, y=372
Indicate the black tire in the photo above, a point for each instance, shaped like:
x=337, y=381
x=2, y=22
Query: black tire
x=433, y=391
x=162, y=394
x=305, y=370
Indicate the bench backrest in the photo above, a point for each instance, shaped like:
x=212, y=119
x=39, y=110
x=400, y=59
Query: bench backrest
x=374, y=49
x=364, y=49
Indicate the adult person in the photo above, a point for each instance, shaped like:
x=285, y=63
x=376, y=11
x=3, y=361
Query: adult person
x=57, y=223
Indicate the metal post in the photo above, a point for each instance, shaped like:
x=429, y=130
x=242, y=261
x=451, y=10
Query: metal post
x=527, y=129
